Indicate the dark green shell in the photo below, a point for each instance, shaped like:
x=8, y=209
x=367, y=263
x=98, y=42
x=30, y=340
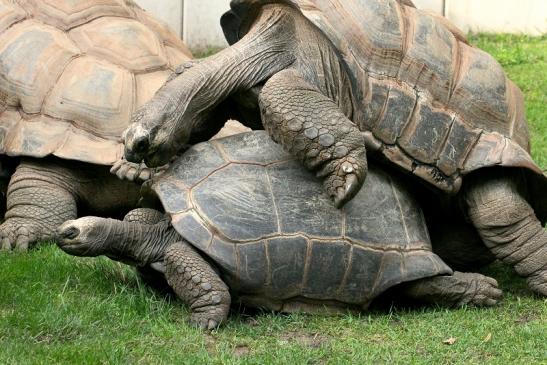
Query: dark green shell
x=268, y=224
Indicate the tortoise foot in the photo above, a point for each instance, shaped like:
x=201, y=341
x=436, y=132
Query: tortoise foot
x=538, y=282
x=479, y=290
x=137, y=172
x=209, y=319
x=457, y=290
x=197, y=284
x=19, y=234
x=344, y=179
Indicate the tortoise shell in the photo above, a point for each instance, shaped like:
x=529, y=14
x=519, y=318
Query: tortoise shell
x=73, y=71
x=266, y=222
x=429, y=102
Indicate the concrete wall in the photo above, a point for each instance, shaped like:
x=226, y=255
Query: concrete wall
x=503, y=16
x=434, y=5
x=198, y=20
x=201, y=27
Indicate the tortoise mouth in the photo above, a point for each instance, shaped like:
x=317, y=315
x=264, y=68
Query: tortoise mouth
x=67, y=240
x=157, y=158
x=151, y=149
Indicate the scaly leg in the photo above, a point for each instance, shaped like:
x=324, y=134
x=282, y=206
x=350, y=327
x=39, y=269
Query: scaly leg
x=313, y=128
x=144, y=216
x=38, y=201
x=197, y=284
x=508, y=225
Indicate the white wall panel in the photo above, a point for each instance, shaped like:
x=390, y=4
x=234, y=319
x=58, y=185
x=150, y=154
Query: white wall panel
x=198, y=21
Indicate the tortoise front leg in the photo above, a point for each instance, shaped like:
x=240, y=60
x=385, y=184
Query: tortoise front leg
x=197, y=284
x=508, y=225
x=40, y=197
x=312, y=127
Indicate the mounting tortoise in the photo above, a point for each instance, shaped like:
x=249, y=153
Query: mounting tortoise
x=71, y=74
x=245, y=207
x=329, y=78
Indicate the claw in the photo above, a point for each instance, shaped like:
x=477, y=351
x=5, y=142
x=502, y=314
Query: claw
x=6, y=244
x=19, y=235
x=203, y=324
x=350, y=189
x=22, y=243
x=212, y=324
x=131, y=173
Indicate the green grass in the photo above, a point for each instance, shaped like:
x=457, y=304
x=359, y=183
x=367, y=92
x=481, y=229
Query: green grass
x=59, y=309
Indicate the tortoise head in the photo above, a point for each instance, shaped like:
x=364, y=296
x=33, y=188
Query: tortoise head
x=155, y=132
x=180, y=111
x=83, y=237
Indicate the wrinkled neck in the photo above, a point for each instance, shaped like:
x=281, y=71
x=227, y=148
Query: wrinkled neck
x=138, y=244
x=264, y=51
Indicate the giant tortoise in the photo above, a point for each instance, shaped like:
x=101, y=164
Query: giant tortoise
x=71, y=74
x=245, y=207
x=328, y=78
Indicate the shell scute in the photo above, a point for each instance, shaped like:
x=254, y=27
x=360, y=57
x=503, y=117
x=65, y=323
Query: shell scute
x=432, y=71
x=364, y=266
x=370, y=29
x=288, y=256
x=193, y=229
x=426, y=133
x=8, y=120
x=196, y=164
x=375, y=100
x=174, y=196
x=459, y=143
x=163, y=32
x=27, y=137
x=224, y=254
x=329, y=261
x=125, y=42
x=486, y=152
x=384, y=225
x=396, y=114
x=237, y=200
x=252, y=269
x=66, y=14
x=289, y=184
x=97, y=96
x=480, y=95
x=10, y=14
x=31, y=59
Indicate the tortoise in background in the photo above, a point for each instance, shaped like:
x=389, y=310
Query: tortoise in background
x=328, y=78
x=71, y=75
x=245, y=207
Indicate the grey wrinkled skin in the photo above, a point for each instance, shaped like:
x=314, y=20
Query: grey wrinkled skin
x=44, y=193
x=286, y=71
x=246, y=234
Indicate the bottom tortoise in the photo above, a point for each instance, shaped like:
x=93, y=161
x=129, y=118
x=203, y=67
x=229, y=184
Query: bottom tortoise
x=255, y=226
